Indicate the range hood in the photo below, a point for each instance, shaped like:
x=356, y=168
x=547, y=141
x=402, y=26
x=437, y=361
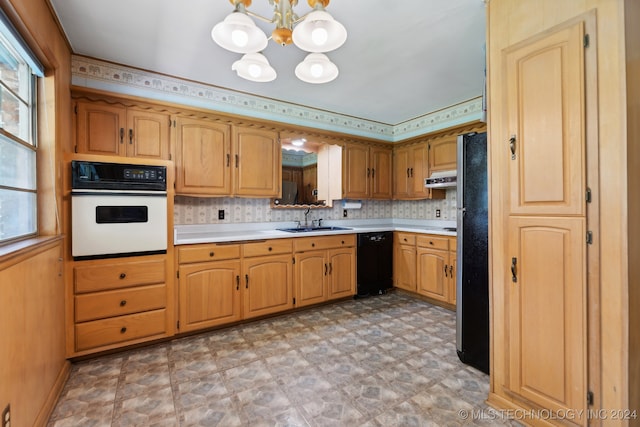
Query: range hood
x=441, y=179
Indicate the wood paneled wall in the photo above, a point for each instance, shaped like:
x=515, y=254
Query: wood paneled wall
x=33, y=363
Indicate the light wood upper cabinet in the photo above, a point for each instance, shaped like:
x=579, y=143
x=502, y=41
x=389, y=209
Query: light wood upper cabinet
x=410, y=168
x=257, y=161
x=112, y=129
x=366, y=172
x=203, y=157
x=547, y=125
x=381, y=173
x=443, y=154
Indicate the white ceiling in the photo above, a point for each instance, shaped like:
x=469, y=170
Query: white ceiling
x=402, y=58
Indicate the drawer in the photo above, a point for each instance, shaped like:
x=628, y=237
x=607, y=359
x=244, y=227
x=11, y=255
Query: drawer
x=267, y=247
x=430, y=241
x=202, y=253
x=98, y=305
x=405, y=238
x=115, y=275
x=116, y=330
x=453, y=244
x=324, y=242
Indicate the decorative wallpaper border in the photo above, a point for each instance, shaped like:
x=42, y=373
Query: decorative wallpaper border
x=96, y=74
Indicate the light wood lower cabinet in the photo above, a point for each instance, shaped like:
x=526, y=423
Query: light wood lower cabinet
x=222, y=283
x=425, y=264
x=209, y=294
x=325, y=268
x=404, y=261
x=119, y=302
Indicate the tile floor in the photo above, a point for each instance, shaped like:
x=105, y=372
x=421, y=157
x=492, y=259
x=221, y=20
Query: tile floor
x=386, y=361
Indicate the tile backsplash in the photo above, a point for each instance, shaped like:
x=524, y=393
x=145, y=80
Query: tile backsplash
x=194, y=210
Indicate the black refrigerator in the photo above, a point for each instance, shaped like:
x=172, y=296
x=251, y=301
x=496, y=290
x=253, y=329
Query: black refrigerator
x=472, y=268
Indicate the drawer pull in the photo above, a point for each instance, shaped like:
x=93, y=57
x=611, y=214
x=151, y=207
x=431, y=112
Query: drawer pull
x=313, y=245
x=123, y=275
x=123, y=329
x=123, y=303
x=342, y=242
x=430, y=242
x=270, y=248
x=405, y=239
x=211, y=254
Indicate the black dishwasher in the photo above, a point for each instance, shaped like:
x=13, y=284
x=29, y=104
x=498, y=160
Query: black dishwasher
x=375, y=263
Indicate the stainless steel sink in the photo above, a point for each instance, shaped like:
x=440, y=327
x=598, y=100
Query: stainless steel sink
x=309, y=229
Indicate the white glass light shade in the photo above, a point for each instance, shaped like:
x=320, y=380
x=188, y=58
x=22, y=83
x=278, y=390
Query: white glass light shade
x=254, y=67
x=238, y=33
x=316, y=68
x=319, y=32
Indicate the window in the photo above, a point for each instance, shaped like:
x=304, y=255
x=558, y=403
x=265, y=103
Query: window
x=18, y=191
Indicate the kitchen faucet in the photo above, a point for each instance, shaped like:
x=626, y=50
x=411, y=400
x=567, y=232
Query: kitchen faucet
x=306, y=223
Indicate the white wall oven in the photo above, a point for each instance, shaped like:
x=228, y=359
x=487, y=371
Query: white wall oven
x=117, y=210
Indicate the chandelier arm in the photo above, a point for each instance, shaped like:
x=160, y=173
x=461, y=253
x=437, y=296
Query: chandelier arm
x=260, y=17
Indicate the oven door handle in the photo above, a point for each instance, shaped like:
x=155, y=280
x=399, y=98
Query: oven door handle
x=119, y=193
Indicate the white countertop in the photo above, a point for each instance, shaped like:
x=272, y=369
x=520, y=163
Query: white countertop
x=214, y=233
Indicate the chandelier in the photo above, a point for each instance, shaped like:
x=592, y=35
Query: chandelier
x=315, y=32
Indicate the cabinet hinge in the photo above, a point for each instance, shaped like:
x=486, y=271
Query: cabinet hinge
x=590, y=398
x=587, y=195
x=586, y=40
x=589, y=237
x=75, y=109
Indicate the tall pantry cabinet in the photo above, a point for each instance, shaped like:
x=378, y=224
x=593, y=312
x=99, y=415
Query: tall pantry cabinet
x=561, y=339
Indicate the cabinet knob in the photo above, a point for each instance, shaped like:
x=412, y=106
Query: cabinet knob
x=342, y=242
x=405, y=239
x=270, y=248
x=123, y=275
x=430, y=242
x=313, y=245
x=123, y=329
x=211, y=254
x=123, y=303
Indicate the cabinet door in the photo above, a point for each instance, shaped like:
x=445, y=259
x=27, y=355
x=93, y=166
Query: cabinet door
x=404, y=268
x=342, y=272
x=257, y=159
x=311, y=269
x=203, y=157
x=443, y=153
x=545, y=107
x=453, y=259
x=267, y=285
x=419, y=171
x=148, y=134
x=356, y=172
x=101, y=128
x=433, y=273
x=401, y=173
x=209, y=294
x=381, y=172
x=547, y=317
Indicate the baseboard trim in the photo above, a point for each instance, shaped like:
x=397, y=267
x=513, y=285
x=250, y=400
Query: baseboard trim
x=54, y=394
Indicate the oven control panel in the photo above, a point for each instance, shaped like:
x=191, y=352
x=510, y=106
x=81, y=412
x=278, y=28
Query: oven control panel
x=117, y=176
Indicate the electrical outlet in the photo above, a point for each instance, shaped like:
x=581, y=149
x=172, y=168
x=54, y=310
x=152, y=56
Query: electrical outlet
x=221, y=214
x=6, y=416
x=437, y=213
x=344, y=213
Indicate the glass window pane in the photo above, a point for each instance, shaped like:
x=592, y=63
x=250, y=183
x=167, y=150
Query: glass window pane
x=17, y=165
x=14, y=116
x=15, y=72
x=17, y=214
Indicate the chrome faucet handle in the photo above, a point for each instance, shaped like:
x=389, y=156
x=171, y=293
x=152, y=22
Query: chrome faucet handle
x=298, y=224
x=319, y=222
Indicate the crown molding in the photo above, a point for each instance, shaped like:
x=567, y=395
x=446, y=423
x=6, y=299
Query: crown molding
x=96, y=74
